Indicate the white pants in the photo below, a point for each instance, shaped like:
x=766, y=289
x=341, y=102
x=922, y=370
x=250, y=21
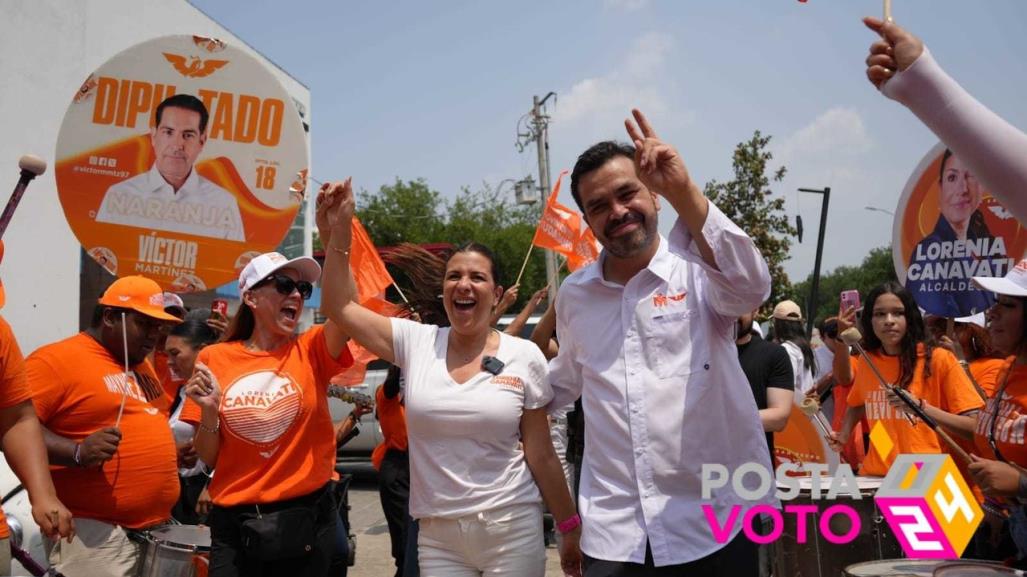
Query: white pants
x=98, y=550
x=504, y=541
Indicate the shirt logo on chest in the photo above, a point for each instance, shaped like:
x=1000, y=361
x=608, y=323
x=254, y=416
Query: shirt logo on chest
x=508, y=382
x=661, y=300
x=260, y=407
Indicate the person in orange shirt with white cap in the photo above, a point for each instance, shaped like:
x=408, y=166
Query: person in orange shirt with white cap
x=104, y=414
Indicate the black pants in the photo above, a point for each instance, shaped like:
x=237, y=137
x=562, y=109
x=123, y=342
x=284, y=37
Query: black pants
x=184, y=510
x=739, y=558
x=394, y=492
x=229, y=559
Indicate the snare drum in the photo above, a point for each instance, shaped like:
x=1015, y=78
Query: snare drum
x=819, y=557
x=177, y=551
x=927, y=568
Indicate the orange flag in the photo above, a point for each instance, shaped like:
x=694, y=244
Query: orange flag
x=368, y=269
x=558, y=228
x=586, y=250
x=354, y=374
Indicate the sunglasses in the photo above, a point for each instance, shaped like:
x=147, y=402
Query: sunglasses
x=285, y=285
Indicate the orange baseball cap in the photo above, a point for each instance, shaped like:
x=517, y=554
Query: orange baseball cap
x=139, y=294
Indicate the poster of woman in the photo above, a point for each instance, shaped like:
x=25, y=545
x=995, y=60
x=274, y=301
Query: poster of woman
x=948, y=228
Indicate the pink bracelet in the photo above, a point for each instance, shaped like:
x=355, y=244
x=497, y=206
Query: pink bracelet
x=568, y=525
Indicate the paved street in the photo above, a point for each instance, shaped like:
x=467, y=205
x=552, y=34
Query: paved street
x=373, y=550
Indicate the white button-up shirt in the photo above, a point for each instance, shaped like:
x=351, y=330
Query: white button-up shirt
x=199, y=207
x=656, y=365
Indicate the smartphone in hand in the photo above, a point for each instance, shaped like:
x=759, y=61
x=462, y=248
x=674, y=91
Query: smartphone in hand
x=849, y=299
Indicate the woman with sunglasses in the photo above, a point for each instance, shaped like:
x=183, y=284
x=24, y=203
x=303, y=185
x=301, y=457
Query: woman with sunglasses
x=999, y=436
x=259, y=400
x=481, y=458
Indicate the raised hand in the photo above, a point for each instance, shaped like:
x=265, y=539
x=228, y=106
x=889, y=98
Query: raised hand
x=203, y=388
x=338, y=204
x=659, y=165
x=895, y=51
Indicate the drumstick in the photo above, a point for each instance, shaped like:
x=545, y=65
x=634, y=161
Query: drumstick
x=887, y=11
x=811, y=408
x=124, y=392
x=851, y=337
x=31, y=167
x=957, y=348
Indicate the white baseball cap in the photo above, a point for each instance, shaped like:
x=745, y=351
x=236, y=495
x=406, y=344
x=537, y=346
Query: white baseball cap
x=977, y=319
x=260, y=267
x=1014, y=284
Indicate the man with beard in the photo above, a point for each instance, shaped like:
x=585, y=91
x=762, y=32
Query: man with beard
x=769, y=370
x=106, y=430
x=647, y=339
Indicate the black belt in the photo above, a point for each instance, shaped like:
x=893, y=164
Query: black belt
x=308, y=500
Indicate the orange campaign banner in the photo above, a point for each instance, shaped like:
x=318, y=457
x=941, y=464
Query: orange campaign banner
x=801, y=444
x=368, y=268
x=586, y=250
x=559, y=227
x=181, y=158
x=948, y=229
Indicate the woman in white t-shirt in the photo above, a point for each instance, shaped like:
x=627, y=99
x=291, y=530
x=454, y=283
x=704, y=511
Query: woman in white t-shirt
x=789, y=332
x=481, y=458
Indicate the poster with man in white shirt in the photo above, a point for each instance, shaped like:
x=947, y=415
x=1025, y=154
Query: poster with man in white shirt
x=171, y=196
x=647, y=339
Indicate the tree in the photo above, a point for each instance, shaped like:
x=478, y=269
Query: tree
x=412, y=211
x=746, y=200
x=876, y=268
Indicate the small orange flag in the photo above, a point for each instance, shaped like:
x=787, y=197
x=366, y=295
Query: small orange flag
x=355, y=373
x=558, y=228
x=586, y=250
x=368, y=269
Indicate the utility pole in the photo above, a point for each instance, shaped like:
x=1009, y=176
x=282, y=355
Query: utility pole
x=538, y=132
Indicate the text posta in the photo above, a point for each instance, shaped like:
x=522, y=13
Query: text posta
x=716, y=476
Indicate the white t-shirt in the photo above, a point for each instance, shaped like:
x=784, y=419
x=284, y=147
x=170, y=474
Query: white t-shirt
x=464, y=439
x=803, y=375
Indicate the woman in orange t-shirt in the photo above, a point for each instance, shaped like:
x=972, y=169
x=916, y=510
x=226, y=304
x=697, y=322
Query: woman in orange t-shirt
x=896, y=339
x=259, y=399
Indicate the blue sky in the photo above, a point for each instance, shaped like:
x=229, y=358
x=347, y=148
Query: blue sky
x=434, y=90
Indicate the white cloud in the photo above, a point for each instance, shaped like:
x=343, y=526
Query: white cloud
x=640, y=80
x=625, y=5
x=836, y=134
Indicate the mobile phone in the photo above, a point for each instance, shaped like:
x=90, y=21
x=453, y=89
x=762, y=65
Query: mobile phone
x=849, y=299
x=219, y=306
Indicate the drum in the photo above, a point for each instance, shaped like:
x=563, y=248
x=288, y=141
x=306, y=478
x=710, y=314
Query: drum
x=820, y=558
x=927, y=568
x=177, y=551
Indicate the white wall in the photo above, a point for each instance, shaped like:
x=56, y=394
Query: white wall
x=47, y=48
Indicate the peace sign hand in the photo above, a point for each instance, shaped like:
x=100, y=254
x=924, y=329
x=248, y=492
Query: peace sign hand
x=659, y=165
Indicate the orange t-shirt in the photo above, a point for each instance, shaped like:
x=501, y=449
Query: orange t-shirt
x=1012, y=418
x=77, y=389
x=392, y=416
x=14, y=388
x=168, y=382
x=277, y=439
x=947, y=388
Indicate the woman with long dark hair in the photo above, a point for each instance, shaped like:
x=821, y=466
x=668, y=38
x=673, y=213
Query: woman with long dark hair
x=184, y=343
x=259, y=399
x=481, y=460
x=896, y=339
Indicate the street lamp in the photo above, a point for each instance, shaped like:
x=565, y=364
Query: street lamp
x=877, y=209
x=525, y=191
x=815, y=285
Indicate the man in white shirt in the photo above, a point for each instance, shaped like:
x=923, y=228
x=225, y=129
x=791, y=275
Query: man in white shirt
x=171, y=196
x=648, y=340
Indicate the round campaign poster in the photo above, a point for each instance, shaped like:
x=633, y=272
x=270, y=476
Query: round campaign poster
x=948, y=229
x=180, y=159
